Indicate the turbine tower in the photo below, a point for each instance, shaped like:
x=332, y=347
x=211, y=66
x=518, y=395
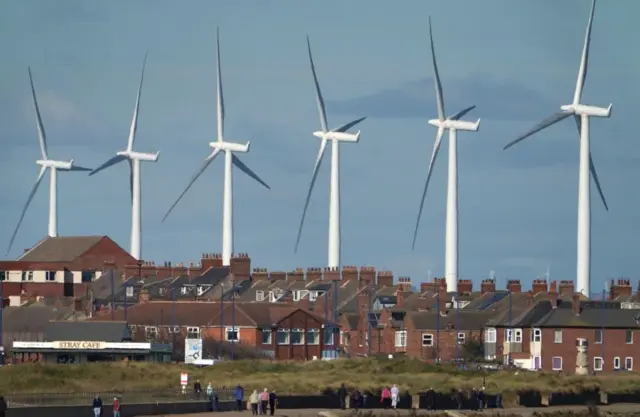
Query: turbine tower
x=229, y=159
x=134, y=159
x=53, y=166
x=581, y=113
x=452, y=124
x=336, y=136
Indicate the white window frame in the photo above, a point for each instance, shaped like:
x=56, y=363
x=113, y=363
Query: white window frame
x=490, y=335
x=427, y=339
x=184, y=290
x=231, y=330
x=557, y=336
x=302, y=332
x=150, y=331
x=461, y=338
x=128, y=292
x=630, y=332
x=50, y=276
x=259, y=295
x=201, y=289
x=401, y=339
x=269, y=339
x=296, y=295
x=628, y=359
x=537, y=335
x=517, y=335
x=595, y=337
x=193, y=333
x=316, y=338
x=283, y=331
x=616, y=362
x=513, y=335
x=598, y=360
x=553, y=362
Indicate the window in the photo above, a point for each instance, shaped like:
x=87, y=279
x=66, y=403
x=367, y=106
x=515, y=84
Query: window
x=536, y=335
x=88, y=276
x=296, y=295
x=313, y=336
x=628, y=337
x=628, y=363
x=201, y=289
x=267, y=336
x=183, y=290
x=328, y=336
x=427, y=339
x=557, y=336
x=232, y=334
x=616, y=362
x=193, y=333
x=283, y=336
x=260, y=295
x=490, y=335
x=401, y=338
x=597, y=336
x=297, y=336
x=597, y=364
x=556, y=363
x=3, y=275
x=174, y=329
x=27, y=275
x=516, y=338
x=461, y=338
x=150, y=332
x=344, y=338
x=129, y=291
x=50, y=276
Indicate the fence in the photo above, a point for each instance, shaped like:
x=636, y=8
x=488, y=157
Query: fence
x=130, y=397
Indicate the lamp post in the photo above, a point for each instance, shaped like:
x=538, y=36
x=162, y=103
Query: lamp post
x=233, y=319
x=222, y=338
x=438, y=326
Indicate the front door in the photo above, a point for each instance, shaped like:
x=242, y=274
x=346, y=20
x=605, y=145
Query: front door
x=536, y=362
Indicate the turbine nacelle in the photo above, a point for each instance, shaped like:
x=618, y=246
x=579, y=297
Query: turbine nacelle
x=591, y=111
x=140, y=156
x=338, y=136
x=49, y=163
x=230, y=146
x=455, y=124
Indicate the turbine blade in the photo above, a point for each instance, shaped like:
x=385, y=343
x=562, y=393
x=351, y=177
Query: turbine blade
x=79, y=168
x=314, y=176
x=349, y=125
x=42, y=136
x=592, y=168
x=220, y=98
x=116, y=159
x=542, y=125
x=26, y=206
x=461, y=113
x=321, y=110
x=434, y=155
x=436, y=77
x=584, y=61
x=130, y=180
x=136, y=109
x=237, y=162
x=199, y=172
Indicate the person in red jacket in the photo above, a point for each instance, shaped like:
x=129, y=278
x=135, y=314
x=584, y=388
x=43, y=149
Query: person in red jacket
x=385, y=398
x=116, y=407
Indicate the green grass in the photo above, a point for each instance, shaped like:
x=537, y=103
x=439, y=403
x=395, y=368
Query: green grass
x=294, y=377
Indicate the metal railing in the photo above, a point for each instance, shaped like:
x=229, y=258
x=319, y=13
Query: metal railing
x=131, y=397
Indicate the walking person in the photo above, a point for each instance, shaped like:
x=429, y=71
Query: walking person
x=356, y=399
x=474, y=400
x=197, y=389
x=3, y=407
x=431, y=399
x=342, y=396
x=97, y=406
x=253, y=400
x=239, y=394
x=459, y=396
x=481, y=399
x=116, y=407
x=395, y=396
x=273, y=402
x=385, y=398
x=264, y=400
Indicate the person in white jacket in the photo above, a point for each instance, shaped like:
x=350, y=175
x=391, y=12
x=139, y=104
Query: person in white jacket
x=395, y=396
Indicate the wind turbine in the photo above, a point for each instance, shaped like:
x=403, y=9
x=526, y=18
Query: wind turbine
x=581, y=114
x=53, y=166
x=336, y=136
x=229, y=159
x=134, y=159
x=452, y=124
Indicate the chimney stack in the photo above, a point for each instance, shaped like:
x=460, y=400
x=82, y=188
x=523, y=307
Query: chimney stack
x=575, y=304
x=143, y=296
x=400, y=298
x=566, y=288
x=488, y=285
x=553, y=294
x=465, y=286
x=539, y=286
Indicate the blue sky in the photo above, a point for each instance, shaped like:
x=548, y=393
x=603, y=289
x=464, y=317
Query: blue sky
x=516, y=60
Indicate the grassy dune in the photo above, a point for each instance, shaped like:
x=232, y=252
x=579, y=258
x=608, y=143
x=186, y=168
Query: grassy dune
x=293, y=377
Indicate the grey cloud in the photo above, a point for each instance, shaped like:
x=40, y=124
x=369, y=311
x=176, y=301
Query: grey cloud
x=496, y=99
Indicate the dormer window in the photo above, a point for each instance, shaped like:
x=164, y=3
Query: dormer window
x=260, y=295
x=184, y=290
x=296, y=295
x=201, y=290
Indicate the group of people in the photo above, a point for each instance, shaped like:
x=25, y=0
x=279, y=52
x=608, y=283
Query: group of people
x=97, y=406
x=259, y=402
x=389, y=397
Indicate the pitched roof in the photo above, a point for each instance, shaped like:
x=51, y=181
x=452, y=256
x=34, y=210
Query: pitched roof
x=99, y=331
x=60, y=249
x=179, y=313
x=31, y=318
x=461, y=320
x=591, y=315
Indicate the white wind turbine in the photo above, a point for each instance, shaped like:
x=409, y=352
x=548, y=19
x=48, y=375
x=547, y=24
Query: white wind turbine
x=336, y=136
x=134, y=159
x=452, y=124
x=53, y=166
x=229, y=159
x=581, y=114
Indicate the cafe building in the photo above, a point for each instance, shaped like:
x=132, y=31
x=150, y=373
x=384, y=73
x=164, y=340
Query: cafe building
x=75, y=342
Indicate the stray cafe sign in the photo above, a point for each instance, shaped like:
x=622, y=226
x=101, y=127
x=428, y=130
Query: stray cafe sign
x=79, y=345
